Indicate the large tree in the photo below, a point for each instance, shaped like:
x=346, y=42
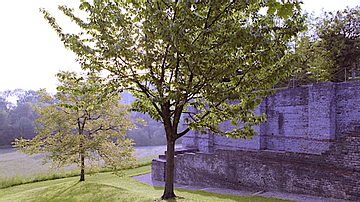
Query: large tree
x=83, y=121
x=208, y=61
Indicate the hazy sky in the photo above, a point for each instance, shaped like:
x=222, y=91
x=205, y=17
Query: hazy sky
x=31, y=53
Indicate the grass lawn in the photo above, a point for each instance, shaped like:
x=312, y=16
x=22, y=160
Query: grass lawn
x=21, y=166
x=107, y=187
x=20, y=169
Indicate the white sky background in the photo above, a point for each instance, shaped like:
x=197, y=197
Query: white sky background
x=31, y=53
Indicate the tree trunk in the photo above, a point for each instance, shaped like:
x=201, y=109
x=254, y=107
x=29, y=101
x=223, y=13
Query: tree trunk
x=82, y=172
x=169, y=171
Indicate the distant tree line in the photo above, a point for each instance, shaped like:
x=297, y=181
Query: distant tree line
x=150, y=134
x=17, y=117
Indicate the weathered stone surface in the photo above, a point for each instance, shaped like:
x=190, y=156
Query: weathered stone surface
x=307, y=146
x=303, y=119
x=335, y=173
x=158, y=169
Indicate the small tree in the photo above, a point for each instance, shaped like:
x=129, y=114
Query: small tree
x=175, y=55
x=82, y=121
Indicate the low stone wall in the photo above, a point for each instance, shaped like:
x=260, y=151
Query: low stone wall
x=335, y=173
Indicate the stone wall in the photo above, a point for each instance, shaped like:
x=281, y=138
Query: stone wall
x=335, y=173
x=347, y=112
x=306, y=146
x=305, y=119
x=299, y=119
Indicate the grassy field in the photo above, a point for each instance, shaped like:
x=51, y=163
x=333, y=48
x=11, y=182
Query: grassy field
x=20, y=169
x=13, y=164
x=107, y=187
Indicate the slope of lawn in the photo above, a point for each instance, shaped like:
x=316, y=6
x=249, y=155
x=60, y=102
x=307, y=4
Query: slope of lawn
x=106, y=187
x=23, y=178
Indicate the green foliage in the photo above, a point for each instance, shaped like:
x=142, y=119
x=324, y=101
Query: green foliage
x=330, y=48
x=82, y=121
x=142, y=137
x=205, y=61
x=339, y=34
x=16, y=118
x=173, y=55
x=150, y=134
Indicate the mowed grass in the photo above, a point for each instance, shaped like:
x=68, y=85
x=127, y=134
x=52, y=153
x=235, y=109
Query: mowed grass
x=35, y=183
x=107, y=187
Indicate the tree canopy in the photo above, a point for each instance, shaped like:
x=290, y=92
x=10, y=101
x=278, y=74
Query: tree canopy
x=339, y=35
x=82, y=121
x=205, y=61
x=330, y=48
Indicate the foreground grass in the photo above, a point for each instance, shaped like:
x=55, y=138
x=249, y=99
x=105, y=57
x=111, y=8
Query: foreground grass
x=107, y=187
x=22, y=178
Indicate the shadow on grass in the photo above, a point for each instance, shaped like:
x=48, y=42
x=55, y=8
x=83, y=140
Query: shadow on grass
x=61, y=191
x=83, y=191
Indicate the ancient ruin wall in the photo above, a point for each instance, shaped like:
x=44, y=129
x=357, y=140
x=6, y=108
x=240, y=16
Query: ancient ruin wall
x=304, y=119
x=335, y=173
x=304, y=147
x=347, y=111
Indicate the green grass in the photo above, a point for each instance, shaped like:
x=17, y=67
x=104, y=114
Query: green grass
x=22, y=178
x=16, y=169
x=107, y=187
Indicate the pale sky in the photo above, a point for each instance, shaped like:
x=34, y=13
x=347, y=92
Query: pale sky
x=31, y=52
